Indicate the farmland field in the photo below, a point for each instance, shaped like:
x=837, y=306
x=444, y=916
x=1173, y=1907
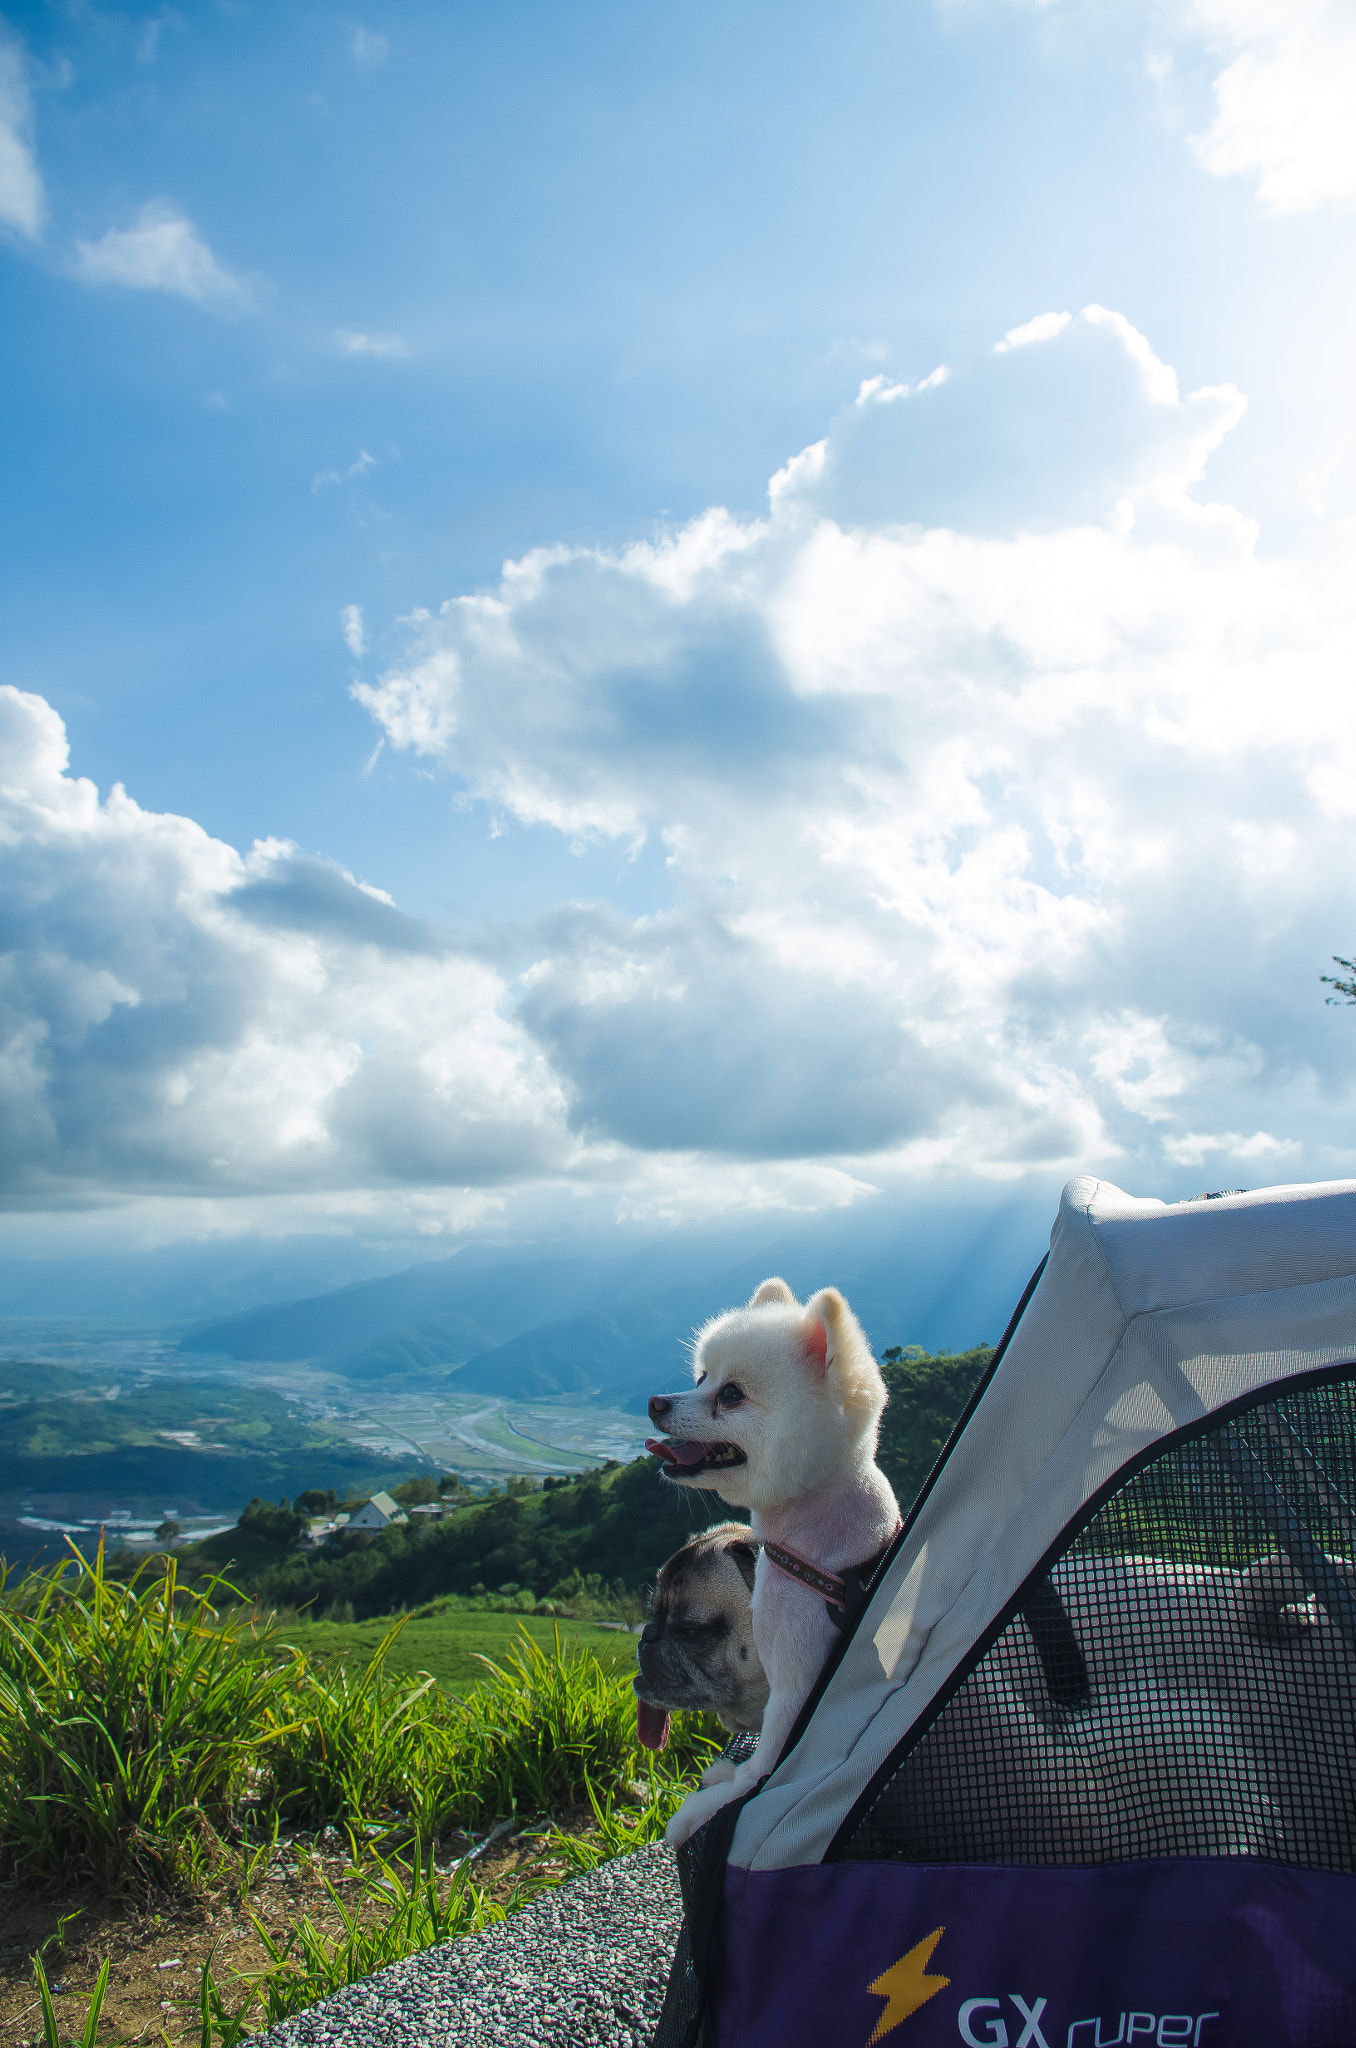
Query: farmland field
x=449, y=1643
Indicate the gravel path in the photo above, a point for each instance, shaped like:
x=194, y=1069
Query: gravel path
x=584, y=1966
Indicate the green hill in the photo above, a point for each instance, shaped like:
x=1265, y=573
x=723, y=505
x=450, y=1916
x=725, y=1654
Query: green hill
x=613, y=1527
x=927, y=1394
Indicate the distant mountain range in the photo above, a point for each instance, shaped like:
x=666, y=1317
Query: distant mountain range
x=435, y=1315
x=178, y=1283
x=616, y=1330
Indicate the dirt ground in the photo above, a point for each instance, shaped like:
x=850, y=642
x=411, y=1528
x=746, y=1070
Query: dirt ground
x=156, y=1949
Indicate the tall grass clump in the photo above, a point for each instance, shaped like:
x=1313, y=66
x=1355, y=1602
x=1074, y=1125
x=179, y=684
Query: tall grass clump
x=131, y=1720
x=143, y=1734
x=626, y=1817
x=364, y=1745
x=544, y=1728
x=403, y=1910
x=541, y=1728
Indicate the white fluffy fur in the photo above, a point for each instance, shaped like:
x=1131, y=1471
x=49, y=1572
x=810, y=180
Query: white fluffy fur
x=812, y=1398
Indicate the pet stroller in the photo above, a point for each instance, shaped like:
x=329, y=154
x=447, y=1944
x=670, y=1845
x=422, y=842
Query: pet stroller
x=1081, y=1773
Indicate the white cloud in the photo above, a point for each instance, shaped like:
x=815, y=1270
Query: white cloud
x=1005, y=790
x=1283, y=102
x=22, y=205
x=163, y=252
x=351, y=619
x=352, y=344
x=366, y=48
x=358, y=467
x=1000, y=779
x=882, y=390
x=1282, y=98
x=177, y=1018
x=1044, y=327
x=1194, y=1148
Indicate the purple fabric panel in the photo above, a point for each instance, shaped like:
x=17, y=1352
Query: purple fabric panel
x=1214, y=1954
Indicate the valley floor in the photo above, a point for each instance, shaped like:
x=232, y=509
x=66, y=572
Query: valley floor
x=110, y=1425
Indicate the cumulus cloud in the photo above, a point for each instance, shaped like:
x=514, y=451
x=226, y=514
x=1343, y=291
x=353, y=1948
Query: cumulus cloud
x=1044, y=327
x=1282, y=98
x=1005, y=788
x=162, y=252
x=1004, y=784
x=21, y=196
x=1283, y=101
x=175, y=1017
x=699, y=1002
x=351, y=623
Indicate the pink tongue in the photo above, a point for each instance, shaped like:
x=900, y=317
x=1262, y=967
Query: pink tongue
x=681, y=1454
x=652, y=1725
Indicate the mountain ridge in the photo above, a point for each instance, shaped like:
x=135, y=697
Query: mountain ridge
x=615, y=1330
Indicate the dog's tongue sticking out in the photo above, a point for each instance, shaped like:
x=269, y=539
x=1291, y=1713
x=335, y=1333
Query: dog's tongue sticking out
x=652, y=1725
x=677, y=1454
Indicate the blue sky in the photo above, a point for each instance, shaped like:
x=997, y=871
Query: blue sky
x=980, y=810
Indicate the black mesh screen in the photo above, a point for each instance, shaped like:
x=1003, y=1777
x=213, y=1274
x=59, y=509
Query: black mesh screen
x=701, y=1871
x=1179, y=1683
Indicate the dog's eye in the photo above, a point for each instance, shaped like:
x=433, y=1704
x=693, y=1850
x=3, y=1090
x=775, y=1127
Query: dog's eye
x=730, y=1395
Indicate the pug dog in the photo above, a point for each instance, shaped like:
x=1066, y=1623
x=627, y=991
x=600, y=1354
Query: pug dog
x=697, y=1650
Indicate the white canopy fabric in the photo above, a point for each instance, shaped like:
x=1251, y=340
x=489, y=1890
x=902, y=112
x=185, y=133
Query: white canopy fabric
x=1149, y=1317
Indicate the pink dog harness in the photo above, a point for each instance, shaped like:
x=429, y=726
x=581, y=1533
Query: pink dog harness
x=843, y=1594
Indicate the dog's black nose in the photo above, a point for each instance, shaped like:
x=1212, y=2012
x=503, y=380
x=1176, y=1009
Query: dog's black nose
x=660, y=1405
x=650, y=1633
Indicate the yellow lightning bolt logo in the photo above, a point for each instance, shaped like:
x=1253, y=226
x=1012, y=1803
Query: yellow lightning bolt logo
x=907, y=1985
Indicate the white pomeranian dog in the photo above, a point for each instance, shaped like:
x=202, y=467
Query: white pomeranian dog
x=783, y=1420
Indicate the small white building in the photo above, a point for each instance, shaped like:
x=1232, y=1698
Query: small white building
x=380, y=1513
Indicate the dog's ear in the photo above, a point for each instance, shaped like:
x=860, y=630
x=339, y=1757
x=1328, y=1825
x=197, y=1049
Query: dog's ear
x=821, y=1333
x=845, y=1357
x=771, y=1290
x=814, y=1341
x=746, y=1557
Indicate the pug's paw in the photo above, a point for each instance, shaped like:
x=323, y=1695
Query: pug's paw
x=718, y=1773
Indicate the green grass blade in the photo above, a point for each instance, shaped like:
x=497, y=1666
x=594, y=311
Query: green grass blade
x=91, y=2027
x=50, y=2036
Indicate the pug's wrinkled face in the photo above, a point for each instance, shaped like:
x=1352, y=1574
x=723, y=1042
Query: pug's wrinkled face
x=697, y=1651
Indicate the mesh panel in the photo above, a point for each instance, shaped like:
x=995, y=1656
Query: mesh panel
x=682, y=2013
x=701, y=1870
x=1182, y=1682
